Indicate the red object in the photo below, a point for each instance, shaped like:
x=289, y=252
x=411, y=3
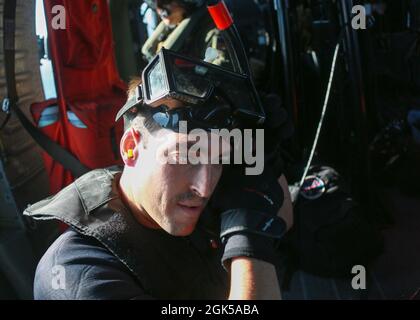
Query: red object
x=221, y=16
x=59, y=177
x=87, y=84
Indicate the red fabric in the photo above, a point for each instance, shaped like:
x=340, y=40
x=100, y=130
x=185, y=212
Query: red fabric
x=221, y=16
x=94, y=146
x=87, y=84
x=83, y=52
x=59, y=177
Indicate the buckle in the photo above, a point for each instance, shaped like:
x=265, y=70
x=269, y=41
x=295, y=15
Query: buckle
x=313, y=188
x=6, y=105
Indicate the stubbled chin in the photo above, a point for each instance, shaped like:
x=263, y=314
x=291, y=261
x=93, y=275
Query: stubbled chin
x=178, y=231
x=184, y=223
x=184, y=233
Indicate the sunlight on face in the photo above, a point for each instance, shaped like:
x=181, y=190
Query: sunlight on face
x=174, y=193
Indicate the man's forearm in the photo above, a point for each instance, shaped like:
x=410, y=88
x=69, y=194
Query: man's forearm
x=253, y=279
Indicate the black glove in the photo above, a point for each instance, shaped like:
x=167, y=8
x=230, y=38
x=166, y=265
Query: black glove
x=278, y=129
x=278, y=123
x=249, y=206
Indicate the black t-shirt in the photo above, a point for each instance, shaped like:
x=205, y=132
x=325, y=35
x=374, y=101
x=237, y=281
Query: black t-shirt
x=79, y=267
x=124, y=260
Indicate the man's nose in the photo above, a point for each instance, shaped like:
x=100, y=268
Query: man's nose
x=202, y=181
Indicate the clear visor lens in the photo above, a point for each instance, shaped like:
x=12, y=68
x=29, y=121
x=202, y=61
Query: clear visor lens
x=157, y=83
x=190, y=79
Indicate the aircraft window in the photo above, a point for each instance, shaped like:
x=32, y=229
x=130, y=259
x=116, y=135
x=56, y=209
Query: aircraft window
x=46, y=68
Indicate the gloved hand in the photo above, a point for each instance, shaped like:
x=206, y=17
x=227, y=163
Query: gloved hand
x=278, y=129
x=249, y=222
x=278, y=121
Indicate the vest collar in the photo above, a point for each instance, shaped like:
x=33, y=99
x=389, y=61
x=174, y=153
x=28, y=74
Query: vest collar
x=163, y=264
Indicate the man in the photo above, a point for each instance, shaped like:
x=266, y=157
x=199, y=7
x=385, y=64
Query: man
x=186, y=27
x=163, y=227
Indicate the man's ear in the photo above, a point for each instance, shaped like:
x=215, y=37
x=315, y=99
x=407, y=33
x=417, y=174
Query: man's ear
x=129, y=147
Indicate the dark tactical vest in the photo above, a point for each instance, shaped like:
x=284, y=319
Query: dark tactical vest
x=167, y=267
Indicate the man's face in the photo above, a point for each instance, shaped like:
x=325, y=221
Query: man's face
x=174, y=194
x=171, y=14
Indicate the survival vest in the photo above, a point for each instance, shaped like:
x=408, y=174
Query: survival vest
x=167, y=267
